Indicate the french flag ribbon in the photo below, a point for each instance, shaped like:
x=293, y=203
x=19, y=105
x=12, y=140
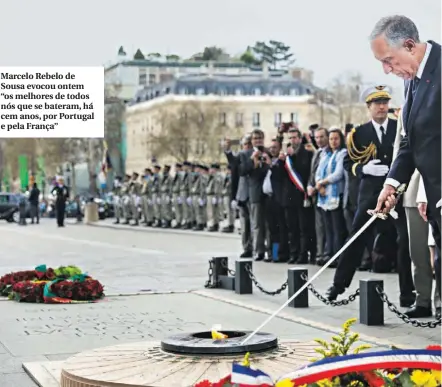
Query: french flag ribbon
x=294, y=177
x=249, y=377
x=334, y=366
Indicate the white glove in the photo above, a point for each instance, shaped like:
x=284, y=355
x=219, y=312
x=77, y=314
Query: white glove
x=167, y=200
x=375, y=170
x=158, y=200
x=149, y=202
x=189, y=201
x=201, y=202
x=233, y=204
x=179, y=200
x=214, y=201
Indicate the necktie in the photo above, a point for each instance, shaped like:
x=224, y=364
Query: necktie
x=414, y=86
x=383, y=134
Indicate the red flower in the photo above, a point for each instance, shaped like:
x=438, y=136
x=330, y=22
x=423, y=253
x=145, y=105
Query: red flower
x=372, y=379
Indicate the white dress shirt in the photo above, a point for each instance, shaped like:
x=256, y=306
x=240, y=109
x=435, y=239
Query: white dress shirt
x=377, y=128
x=419, y=74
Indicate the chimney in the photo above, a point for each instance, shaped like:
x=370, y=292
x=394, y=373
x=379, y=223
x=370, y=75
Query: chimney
x=265, y=69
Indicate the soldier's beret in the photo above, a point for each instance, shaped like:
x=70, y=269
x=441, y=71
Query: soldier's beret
x=204, y=167
x=156, y=166
x=187, y=164
x=136, y=173
x=126, y=175
x=178, y=165
x=199, y=166
x=215, y=166
x=167, y=167
x=149, y=170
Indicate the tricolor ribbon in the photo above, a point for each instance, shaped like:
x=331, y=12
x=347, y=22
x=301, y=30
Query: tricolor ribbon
x=294, y=177
x=248, y=377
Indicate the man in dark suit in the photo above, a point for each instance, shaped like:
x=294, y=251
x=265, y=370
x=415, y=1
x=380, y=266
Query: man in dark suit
x=370, y=152
x=297, y=206
x=395, y=42
x=240, y=194
x=253, y=165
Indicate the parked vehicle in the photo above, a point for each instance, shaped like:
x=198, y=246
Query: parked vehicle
x=9, y=206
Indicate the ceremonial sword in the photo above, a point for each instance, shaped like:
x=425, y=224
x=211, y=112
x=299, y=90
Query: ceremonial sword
x=374, y=216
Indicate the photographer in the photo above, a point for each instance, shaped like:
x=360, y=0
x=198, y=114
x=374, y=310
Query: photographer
x=253, y=165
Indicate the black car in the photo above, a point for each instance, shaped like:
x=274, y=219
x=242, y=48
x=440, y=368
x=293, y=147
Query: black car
x=9, y=206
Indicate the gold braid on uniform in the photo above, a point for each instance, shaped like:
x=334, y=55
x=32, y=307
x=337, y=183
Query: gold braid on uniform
x=358, y=156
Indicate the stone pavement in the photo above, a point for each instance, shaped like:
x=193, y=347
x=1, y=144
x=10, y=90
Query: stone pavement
x=128, y=262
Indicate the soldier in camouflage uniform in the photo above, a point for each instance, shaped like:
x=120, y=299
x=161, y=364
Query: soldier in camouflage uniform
x=116, y=190
x=213, y=192
x=166, y=197
x=156, y=198
x=146, y=198
x=125, y=199
x=186, y=182
x=227, y=205
x=197, y=198
x=135, y=198
x=177, y=201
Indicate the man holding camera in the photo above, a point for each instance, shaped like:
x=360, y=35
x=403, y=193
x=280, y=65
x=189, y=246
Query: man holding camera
x=253, y=165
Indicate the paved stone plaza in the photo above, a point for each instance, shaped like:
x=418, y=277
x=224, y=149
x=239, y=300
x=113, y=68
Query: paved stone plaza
x=156, y=261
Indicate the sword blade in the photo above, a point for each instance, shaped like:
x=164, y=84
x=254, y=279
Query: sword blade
x=316, y=275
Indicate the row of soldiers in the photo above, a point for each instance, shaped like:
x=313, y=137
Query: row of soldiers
x=195, y=196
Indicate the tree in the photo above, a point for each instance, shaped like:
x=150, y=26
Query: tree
x=154, y=56
x=339, y=103
x=249, y=58
x=193, y=131
x=173, y=58
x=121, y=51
x=275, y=53
x=212, y=53
x=139, y=55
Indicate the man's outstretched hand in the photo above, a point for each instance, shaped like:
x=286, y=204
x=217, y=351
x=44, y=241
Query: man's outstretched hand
x=386, y=200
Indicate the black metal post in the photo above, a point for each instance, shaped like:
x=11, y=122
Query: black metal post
x=295, y=282
x=22, y=211
x=371, y=307
x=220, y=265
x=243, y=282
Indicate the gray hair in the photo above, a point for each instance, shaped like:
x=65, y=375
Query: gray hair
x=247, y=139
x=396, y=30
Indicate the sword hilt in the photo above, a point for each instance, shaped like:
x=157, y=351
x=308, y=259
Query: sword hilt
x=399, y=192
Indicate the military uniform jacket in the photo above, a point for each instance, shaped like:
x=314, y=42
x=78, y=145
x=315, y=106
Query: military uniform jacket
x=219, y=182
x=155, y=184
x=195, y=188
x=117, y=190
x=166, y=184
x=135, y=188
x=185, y=180
x=226, y=186
x=176, y=184
x=363, y=145
x=124, y=188
x=211, y=185
x=146, y=190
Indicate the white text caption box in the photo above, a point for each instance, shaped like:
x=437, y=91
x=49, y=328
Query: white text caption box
x=52, y=102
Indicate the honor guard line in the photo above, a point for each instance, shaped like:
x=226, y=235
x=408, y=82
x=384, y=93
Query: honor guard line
x=374, y=216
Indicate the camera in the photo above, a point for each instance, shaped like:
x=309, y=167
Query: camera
x=286, y=126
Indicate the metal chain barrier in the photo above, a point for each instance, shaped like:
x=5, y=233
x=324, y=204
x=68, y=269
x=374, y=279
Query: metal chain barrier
x=230, y=271
x=321, y=298
x=416, y=323
x=258, y=285
x=211, y=283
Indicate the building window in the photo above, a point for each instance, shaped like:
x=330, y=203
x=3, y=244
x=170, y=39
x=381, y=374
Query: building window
x=239, y=119
x=278, y=119
x=257, y=91
x=294, y=117
x=238, y=91
x=256, y=121
x=182, y=91
x=308, y=91
x=200, y=91
x=277, y=92
x=223, y=118
x=294, y=92
x=152, y=79
x=142, y=76
x=222, y=91
x=167, y=91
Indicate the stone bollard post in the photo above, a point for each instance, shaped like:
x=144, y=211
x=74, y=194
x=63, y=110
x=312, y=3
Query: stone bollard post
x=295, y=282
x=371, y=307
x=243, y=282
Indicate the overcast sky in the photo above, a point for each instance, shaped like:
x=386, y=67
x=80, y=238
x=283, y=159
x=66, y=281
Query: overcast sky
x=327, y=36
